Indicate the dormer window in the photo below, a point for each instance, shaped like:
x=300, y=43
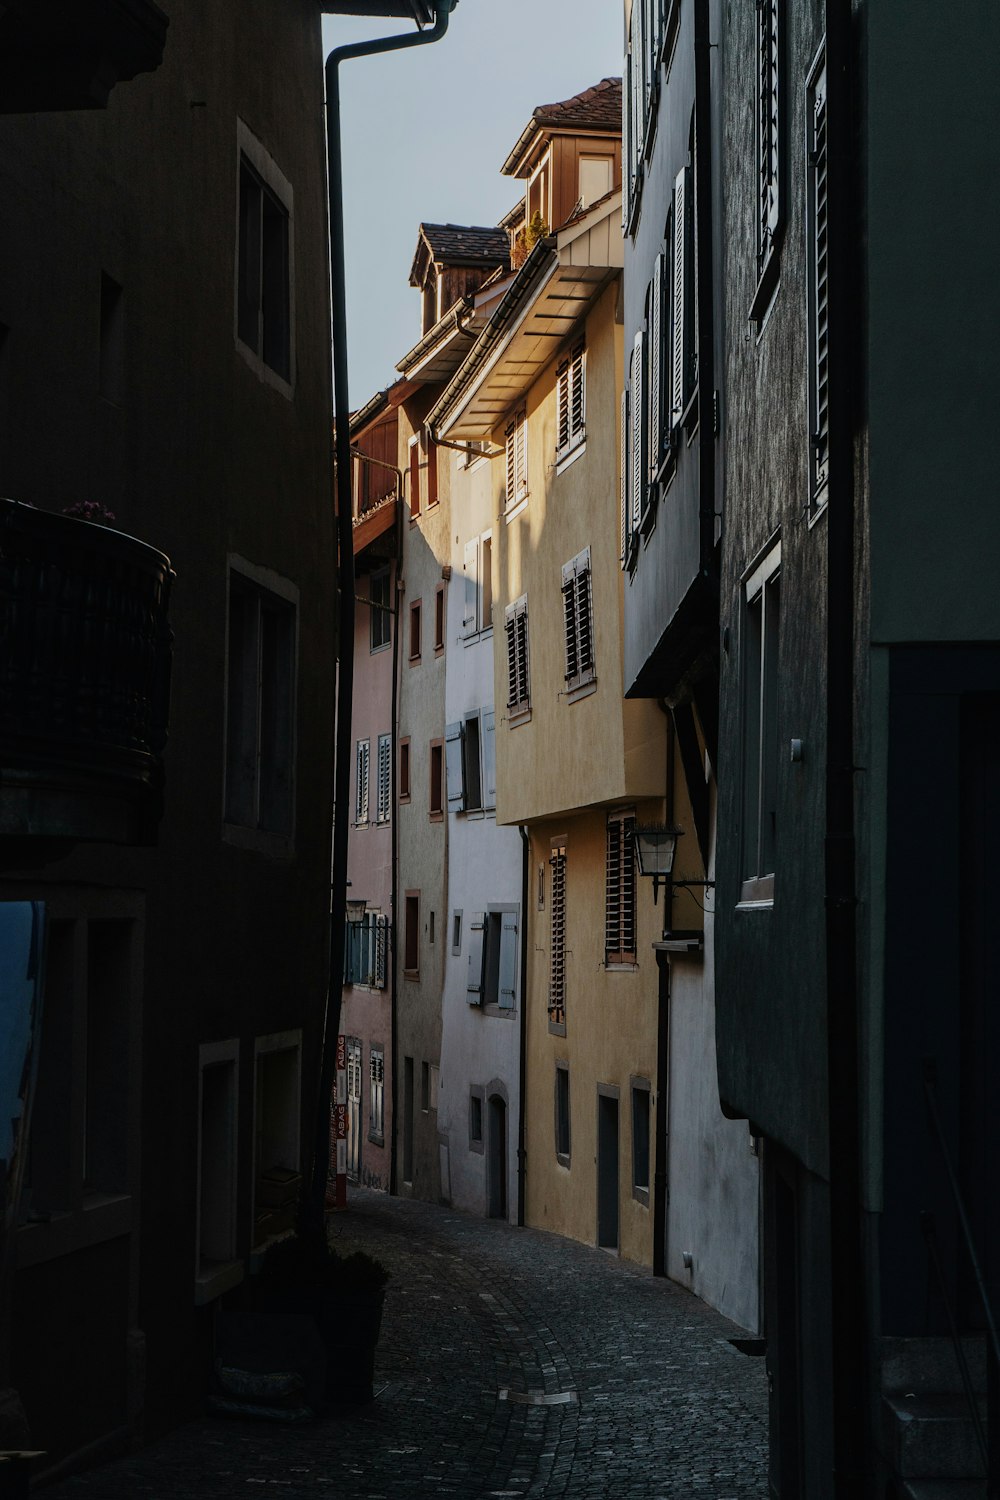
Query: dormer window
x=429, y=305
x=596, y=178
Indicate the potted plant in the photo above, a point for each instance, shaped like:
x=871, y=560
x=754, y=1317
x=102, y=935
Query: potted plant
x=344, y=1295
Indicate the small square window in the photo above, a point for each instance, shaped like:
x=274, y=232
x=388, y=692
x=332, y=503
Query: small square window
x=436, y=804
x=439, y=619
x=263, y=291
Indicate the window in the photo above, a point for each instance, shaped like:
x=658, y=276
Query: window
x=431, y=930
x=263, y=318
x=436, y=804
x=682, y=298
x=404, y=770
x=596, y=177
x=425, y=1086
x=415, y=630
x=761, y=628
x=770, y=185
x=376, y=1095
x=476, y=1120
x=472, y=763
x=380, y=618
x=557, y=937
x=277, y=1163
x=456, y=933
x=366, y=948
x=562, y=1113
x=638, y=411
x=570, y=405
x=578, y=623
x=112, y=376
x=414, y=477
x=516, y=446
x=470, y=754
x=422, y=474
x=361, y=759
x=640, y=1139
x=658, y=305
x=439, y=618
x=384, y=792
x=216, y=1268
x=260, y=707
x=493, y=958
x=518, y=690
x=411, y=936
x=619, y=903
x=818, y=264
x=477, y=613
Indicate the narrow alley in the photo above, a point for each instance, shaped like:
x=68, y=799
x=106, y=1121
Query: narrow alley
x=512, y=1362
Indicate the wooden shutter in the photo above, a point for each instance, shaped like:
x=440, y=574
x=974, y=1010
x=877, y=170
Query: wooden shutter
x=432, y=472
x=563, y=429
x=361, y=783
x=637, y=465
x=768, y=125
x=489, y=758
x=820, y=372
x=453, y=767
x=680, y=299
x=522, y=655
x=470, y=614
x=510, y=444
x=577, y=412
x=522, y=456
x=624, y=476
x=474, y=983
x=557, y=936
x=507, y=976
x=655, y=420
x=569, y=621
x=381, y=951
x=384, y=777
x=619, y=900
x=584, y=617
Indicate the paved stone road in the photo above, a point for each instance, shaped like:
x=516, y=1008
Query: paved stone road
x=644, y=1395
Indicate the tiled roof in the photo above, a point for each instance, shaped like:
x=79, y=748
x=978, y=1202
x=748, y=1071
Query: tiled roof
x=466, y=243
x=597, y=108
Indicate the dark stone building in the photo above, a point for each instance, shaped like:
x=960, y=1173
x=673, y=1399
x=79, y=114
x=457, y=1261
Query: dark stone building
x=164, y=356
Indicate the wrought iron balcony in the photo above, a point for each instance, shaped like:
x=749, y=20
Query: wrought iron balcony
x=85, y=650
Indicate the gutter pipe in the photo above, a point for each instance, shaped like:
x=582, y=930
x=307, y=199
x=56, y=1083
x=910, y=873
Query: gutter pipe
x=312, y=1208
x=522, y=1155
x=850, y=1330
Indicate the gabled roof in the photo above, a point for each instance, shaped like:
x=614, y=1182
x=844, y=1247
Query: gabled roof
x=459, y=245
x=596, y=108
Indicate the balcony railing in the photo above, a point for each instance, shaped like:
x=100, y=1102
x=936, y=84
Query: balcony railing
x=85, y=649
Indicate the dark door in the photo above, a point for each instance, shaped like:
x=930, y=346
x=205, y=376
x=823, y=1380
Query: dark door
x=607, y=1172
x=407, y=1119
x=498, y=1157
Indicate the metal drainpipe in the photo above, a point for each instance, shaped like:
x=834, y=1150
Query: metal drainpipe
x=660, y=1174
x=522, y=1155
x=311, y=1218
x=850, y=1332
x=394, y=874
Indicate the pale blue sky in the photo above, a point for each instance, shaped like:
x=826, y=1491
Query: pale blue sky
x=426, y=133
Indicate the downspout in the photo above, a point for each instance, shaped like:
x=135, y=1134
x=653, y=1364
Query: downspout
x=312, y=1208
x=522, y=1155
x=850, y=1332
x=394, y=874
x=661, y=1190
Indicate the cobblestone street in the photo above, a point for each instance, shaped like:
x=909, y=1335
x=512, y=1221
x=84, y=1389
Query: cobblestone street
x=511, y=1363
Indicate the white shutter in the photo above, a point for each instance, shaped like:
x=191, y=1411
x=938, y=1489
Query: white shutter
x=678, y=357
x=453, y=767
x=507, y=981
x=563, y=426
x=361, y=783
x=655, y=444
x=584, y=616
x=624, y=476
x=384, y=777
x=470, y=617
x=820, y=373
x=638, y=466
x=557, y=937
x=489, y=758
x=577, y=400
x=627, y=174
x=474, y=983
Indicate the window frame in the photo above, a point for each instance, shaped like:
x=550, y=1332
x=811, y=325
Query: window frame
x=416, y=632
x=379, y=611
x=251, y=153
x=440, y=619
x=639, y=1087
x=562, y=1119
x=817, y=285
x=436, y=794
x=576, y=590
x=403, y=794
x=759, y=723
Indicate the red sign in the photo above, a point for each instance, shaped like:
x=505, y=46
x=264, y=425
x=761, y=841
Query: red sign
x=341, y=1053
x=340, y=1116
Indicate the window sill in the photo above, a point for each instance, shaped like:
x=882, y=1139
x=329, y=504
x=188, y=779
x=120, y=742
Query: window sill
x=817, y=508
x=435, y=817
x=570, y=455
x=557, y=1028
x=259, y=840
x=101, y=1217
x=439, y=650
x=215, y=1277
x=562, y=1157
x=506, y=1012
x=582, y=690
x=516, y=716
x=477, y=1147
x=767, y=286
x=377, y=650
x=652, y=115
x=670, y=30
x=757, y=892
x=621, y=966
x=413, y=974
x=414, y=661
x=641, y=1195
x=403, y=800
x=264, y=373
x=516, y=509
x=376, y=1138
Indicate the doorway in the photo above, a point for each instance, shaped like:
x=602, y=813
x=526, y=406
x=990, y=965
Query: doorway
x=497, y=1159
x=607, y=1168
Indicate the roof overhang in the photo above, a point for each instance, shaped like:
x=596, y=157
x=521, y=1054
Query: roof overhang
x=64, y=55
x=375, y=523
x=532, y=321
